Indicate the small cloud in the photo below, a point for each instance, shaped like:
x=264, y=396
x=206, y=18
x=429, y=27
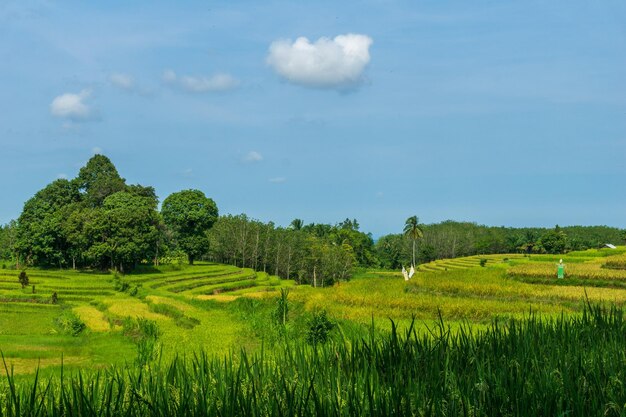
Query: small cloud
x=188, y=172
x=97, y=150
x=168, y=76
x=277, y=180
x=328, y=63
x=253, y=156
x=72, y=106
x=214, y=83
x=122, y=81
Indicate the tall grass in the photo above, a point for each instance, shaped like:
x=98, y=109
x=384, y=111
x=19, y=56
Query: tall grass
x=570, y=365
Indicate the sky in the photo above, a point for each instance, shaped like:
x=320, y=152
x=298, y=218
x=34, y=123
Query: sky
x=504, y=113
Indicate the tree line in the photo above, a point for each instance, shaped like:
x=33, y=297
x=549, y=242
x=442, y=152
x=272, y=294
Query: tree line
x=98, y=221
x=450, y=239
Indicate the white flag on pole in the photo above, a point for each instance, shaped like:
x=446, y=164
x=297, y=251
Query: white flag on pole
x=411, y=271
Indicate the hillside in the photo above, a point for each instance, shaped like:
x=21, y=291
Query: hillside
x=219, y=308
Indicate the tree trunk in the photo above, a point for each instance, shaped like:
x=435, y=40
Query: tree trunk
x=413, y=252
x=314, y=276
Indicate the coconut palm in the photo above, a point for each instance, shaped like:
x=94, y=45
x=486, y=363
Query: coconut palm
x=413, y=231
x=296, y=224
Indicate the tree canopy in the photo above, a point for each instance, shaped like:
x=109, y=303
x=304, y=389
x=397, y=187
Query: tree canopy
x=189, y=214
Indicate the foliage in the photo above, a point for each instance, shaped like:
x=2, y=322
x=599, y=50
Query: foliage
x=145, y=334
x=23, y=279
x=98, y=179
x=69, y=323
x=413, y=231
x=189, y=214
x=286, y=252
x=450, y=239
x=281, y=313
x=554, y=241
x=95, y=220
x=569, y=365
x=320, y=327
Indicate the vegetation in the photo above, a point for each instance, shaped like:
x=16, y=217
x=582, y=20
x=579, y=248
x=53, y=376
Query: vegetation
x=182, y=312
x=562, y=366
x=413, y=231
x=189, y=214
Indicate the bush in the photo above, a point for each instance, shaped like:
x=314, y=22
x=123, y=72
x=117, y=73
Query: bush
x=120, y=285
x=55, y=298
x=23, y=278
x=70, y=323
x=319, y=328
x=483, y=262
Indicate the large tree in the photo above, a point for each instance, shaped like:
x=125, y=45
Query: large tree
x=413, y=231
x=190, y=214
x=124, y=231
x=40, y=237
x=99, y=179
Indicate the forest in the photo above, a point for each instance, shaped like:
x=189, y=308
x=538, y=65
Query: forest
x=98, y=221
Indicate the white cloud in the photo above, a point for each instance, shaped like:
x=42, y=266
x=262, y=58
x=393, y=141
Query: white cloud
x=327, y=63
x=253, y=156
x=72, y=106
x=169, y=76
x=123, y=81
x=217, y=82
x=277, y=180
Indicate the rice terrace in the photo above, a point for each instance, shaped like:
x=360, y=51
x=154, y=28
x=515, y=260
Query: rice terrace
x=374, y=208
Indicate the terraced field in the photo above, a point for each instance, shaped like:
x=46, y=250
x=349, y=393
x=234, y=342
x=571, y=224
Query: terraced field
x=34, y=329
x=466, y=262
x=191, y=305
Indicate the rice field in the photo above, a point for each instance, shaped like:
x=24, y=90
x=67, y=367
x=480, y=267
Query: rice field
x=35, y=331
x=569, y=365
x=200, y=309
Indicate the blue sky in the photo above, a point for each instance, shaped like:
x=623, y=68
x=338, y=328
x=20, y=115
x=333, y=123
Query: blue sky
x=504, y=113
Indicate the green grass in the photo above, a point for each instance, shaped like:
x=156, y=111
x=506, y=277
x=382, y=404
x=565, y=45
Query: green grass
x=569, y=365
x=197, y=308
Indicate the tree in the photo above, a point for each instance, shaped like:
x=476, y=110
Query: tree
x=99, y=179
x=413, y=231
x=296, y=224
x=554, y=241
x=190, y=214
x=40, y=239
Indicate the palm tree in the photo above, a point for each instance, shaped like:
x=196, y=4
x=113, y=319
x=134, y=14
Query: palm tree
x=296, y=224
x=413, y=231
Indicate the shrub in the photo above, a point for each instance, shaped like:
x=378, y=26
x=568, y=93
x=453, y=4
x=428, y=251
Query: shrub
x=23, y=278
x=121, y=286
x=70, y=323
x=319, y=328
x=483, y=262
x=55, y=298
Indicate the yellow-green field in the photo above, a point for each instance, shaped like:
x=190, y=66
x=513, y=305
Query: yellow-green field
x=198, y=307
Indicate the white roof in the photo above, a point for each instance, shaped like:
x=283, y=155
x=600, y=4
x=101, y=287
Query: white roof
x=608, y=245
